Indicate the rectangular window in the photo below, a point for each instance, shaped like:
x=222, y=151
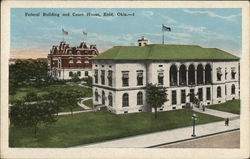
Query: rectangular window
x=160, y=78
x=96, y=76
x=183, y=96
x=103, y=77
x=78, y=73
x=160, y=65
x=233, y=72
x=191, y=95
x=110, y=78
x=174, y=101
x=200, y=94
x=139, y=78
x=208, y=93
x=125, y=78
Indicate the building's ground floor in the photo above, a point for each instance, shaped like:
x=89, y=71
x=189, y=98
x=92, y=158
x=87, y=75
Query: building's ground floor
x=134, y=100
x=66, y=74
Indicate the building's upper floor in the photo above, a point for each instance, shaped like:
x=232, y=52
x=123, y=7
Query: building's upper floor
x=167, y=65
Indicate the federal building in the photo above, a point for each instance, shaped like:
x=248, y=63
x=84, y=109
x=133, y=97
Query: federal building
x=121, y=74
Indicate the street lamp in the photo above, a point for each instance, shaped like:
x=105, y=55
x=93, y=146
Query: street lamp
x=194, y=117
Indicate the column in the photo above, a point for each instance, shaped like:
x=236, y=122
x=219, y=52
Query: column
x=186, y=77
x=195, y=76
x=204, y=77
x=177, y=77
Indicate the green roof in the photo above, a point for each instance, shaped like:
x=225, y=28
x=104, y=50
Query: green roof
x=164, y=52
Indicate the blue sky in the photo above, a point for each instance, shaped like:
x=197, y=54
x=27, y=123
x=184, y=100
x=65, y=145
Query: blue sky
x=216, y=28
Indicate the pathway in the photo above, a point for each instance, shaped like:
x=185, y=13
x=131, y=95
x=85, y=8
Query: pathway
x=216, y=113
x=86, y=108
x=83, y=105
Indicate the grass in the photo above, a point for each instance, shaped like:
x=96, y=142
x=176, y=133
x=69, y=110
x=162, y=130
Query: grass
x=101, y=126
x=232, y=106
x=21, y=92
x=88, y=103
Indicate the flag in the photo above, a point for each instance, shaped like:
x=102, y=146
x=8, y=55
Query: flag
x=65, y=32
x=84, y=33
x=164, y=28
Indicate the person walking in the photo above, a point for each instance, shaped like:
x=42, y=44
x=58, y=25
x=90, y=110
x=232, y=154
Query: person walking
x=227, y=122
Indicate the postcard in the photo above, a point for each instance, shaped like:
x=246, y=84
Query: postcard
x=128, y=79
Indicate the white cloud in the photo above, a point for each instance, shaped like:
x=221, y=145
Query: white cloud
x=147, y=13
x=212, y=14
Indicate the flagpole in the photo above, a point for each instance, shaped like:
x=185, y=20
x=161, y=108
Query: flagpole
x=162, y=34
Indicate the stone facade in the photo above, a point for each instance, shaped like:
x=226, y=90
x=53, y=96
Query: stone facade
x=213, y=82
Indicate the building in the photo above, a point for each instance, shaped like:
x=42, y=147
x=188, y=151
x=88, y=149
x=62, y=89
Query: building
x=65, y=61
x=187, y=71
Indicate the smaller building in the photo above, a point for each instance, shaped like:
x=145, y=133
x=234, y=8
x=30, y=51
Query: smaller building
x=65, y=61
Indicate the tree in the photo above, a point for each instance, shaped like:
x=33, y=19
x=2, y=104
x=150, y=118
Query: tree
x=31, y=115
x=156, y=96
x=68, y=99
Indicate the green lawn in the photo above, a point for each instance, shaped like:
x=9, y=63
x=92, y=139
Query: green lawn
x=100, y=126
x=88, y=103
x=21, y=92
x=232, y=106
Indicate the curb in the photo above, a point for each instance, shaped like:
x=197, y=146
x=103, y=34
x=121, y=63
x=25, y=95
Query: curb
x=189, y=139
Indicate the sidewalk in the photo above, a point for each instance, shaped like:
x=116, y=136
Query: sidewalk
x=168, y=136
x=83, y=105
x=216, y=113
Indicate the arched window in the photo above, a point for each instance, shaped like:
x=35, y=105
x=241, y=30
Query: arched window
x=110, y=97
x=103, y=97
x=139, y=98
x=208, y=70
x=182, y=75
x=233, y=89
x=191, y=75
x=96, y=95
x=218, y=92
x=125, y=100
x=173, y=75
x=200, y=74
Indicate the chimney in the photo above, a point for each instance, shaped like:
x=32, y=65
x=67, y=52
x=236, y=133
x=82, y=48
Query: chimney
x=142, y=41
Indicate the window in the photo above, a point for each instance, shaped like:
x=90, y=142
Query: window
x=110, y=78
x=96, y=95
x=191, y=95
x=78, y=52
x=79, y=73
x=110, y=99
x=233, y=89
x=225, y=73
x=225, y=89
x=199, y=75
x=174, y=101
x=86, y=73
x=233, y=72
x=219, y=74
x=183, y=96
x=96, y=76
x=160, y=78
x=173, y=75
x=160, y=65
x=103, y=98
x=125, y=78
x=200, y=94
x=139, y=78
x=102, y=77
x=70, y=74
x=208, y=93
x=139, y=98
x=218, y=92
x=125, y=100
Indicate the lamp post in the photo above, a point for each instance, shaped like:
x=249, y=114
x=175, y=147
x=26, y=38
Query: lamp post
x=194, y=117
